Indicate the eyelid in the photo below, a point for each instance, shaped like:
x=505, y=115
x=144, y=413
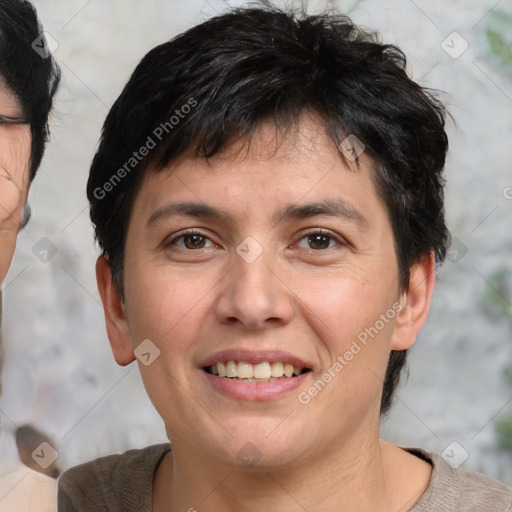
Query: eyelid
x=6, y=120
x=189, y=231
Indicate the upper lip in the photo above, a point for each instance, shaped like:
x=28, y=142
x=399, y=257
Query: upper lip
x=254, y=357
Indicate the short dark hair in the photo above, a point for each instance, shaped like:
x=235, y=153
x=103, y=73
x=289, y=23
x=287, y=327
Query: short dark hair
x=32, y=78
x=251, y=65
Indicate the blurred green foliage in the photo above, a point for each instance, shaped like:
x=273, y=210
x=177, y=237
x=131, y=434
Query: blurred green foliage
x=497, y=294
x=504, y=431
x=498, y=297
x=501, y=302
x=508, y=374
x=499, y=37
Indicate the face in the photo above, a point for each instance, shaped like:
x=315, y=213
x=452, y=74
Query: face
x=15, y=141
x=277, y=257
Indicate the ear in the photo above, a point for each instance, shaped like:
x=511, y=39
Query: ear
x=415, y=303
x=118, y=329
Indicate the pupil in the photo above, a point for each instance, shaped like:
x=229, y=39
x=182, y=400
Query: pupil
x=195, y=240
x=317, y=240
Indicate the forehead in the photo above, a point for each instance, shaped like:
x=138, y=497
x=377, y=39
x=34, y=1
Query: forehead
x=15, y=139
x=298, y=165
x=297, y=152
x=9, y=105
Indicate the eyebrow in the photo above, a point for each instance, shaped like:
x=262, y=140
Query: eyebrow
x=198, y=210
x=333, y=207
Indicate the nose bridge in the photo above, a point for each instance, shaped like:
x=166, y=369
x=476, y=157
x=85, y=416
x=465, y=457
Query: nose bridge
x=252, y=292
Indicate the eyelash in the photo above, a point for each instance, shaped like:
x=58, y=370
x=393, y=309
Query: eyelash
x=317, y=231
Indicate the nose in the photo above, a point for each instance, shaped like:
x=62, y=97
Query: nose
x=254, y=295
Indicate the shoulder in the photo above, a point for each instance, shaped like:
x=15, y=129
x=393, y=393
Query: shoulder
x=461, y=488
x=482, y=492
x=121, y=482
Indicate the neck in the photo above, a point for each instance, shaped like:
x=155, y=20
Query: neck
x=368, y=475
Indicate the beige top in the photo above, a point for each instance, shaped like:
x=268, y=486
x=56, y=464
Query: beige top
x=24, y=489
x=123, y=483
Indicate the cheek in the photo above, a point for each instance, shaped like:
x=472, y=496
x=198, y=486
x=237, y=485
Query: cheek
x=355, y=347
x=14, y=174
x=7, y=246
x=12, y=199
x=171, y=314
x=346, y=306
x=345, y=315
x=167, y=305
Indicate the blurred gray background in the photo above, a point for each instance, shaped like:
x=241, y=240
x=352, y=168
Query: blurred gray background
x=59, y=372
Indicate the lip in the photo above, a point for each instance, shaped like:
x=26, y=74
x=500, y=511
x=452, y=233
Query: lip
x=254, y=357
x=254, y=391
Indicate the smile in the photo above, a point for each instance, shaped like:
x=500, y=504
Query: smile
x=261, y=372
x=255, y=382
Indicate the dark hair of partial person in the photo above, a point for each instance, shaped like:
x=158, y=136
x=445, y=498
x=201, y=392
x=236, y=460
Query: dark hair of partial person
x=32, y=78
x=257, y=64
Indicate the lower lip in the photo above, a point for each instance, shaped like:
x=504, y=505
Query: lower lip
x=254, y=391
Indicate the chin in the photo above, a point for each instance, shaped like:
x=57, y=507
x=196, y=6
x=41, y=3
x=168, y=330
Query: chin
x=262, y=444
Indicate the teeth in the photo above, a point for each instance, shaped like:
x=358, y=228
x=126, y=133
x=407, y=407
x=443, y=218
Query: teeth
x=265, y=370
x=262, y=371
x=277, y=369
x=231, y=369
x=245, y=371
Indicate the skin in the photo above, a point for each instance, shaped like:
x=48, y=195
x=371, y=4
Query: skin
x=15, y=141
x=306, y=298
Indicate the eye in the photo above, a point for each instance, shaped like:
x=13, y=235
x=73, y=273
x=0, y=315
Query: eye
x=319, y=240
x=191, y=240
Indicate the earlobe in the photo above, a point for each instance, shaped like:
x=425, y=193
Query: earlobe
x=415, y=303
x=118, y=329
